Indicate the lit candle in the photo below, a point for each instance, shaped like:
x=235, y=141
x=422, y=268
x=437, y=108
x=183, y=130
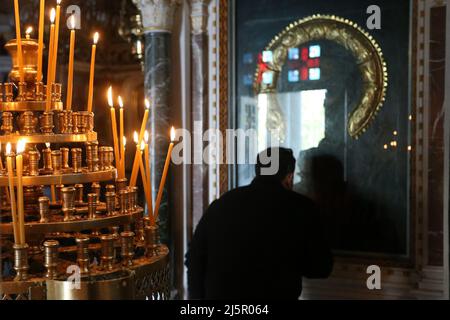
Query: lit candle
x=92, y=73
x=114, y=127
x=122, y=147
x=148, y=173
x=56, y=43
x=136, y=160
x=124, y=139
x=19, y=40
x=50, y=59
x=71, y=58
x=9, y=165
x=20, y=205
x=40, y=41
x=134, y=173
x=144, y=178
x=28, y=33
x=165, y=172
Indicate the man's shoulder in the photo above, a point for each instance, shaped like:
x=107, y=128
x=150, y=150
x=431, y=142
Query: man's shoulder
x=238, y=192
x=297, y=197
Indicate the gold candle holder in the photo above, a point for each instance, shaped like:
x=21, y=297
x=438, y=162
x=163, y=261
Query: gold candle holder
x=39, y=91
x=68, y=203
x=108, y=252
x=33, y=163
x=9, y=93
x=92, y=159
x=127, y=248
x=46, y=122
x=65, y=122
x=77, y=160
x=1, y=92
x=56, y=162
x=97, y=189
x=27, y=123
x=92, y=206
x=75, y=124
x=151, y=241
x=51, y=257
x=88, y=121
x=21, y=262
x=101, y=157
x=112, y=188
x=22, y=91
x=56, y=92
x=59, y=188
x=79, y=193
x=110, y=203
x=65, y=158
x=123, y=196
x=7, y=123
x=47, y=155
x=83, y=254
x=44, y=209
x=139, y=226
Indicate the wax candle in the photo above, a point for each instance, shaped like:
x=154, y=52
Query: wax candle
x=19, y=40
x=136, y=160
x=56, y=42
x=124, y=139
x=165, y=172
x=144, y=179
x=50, y=59
x=134, y=173
x=92, y=73
x=121, y=129
x=71, y=58
x=148, y=173
x=9, y=165
x=114, y=127
x=40, y=41
x=20, y=205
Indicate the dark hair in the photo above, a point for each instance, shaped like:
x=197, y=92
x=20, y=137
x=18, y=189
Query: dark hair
x=286, y=162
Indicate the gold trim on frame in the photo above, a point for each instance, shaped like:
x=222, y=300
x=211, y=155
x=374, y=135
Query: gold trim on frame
x=346, y=33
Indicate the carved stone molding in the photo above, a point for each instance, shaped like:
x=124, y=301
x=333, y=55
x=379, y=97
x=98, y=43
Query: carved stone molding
x=199, y=16
x=157, y=15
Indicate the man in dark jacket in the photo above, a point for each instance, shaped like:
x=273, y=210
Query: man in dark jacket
x=257, y=242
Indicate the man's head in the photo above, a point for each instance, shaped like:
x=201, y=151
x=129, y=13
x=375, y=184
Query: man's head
x=277, y=163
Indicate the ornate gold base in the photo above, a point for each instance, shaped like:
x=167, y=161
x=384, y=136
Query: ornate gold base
x=147, y=279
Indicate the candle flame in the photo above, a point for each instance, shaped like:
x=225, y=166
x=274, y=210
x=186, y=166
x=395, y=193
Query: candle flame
x=146, y=136
x=21, y=144
x=110, y=98
x=139, y=47
x=47, y=145
x=72, y=22
x=52, y=15
x=172, y=134
x=8, y=149
x=96, y=36
x=124, y=141
x=29, y=30
x=142, y=145
x=58, y=2
x=147, y=104
x=120, y=101
x=136, y=137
